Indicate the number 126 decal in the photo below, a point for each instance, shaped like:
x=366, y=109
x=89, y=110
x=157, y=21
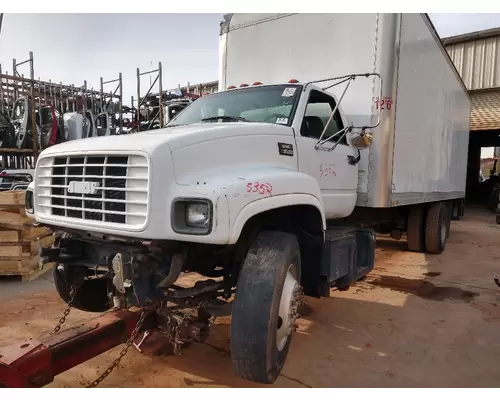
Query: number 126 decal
x=384, y=104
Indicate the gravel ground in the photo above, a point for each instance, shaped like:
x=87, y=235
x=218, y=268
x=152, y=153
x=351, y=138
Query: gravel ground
x=416, y=321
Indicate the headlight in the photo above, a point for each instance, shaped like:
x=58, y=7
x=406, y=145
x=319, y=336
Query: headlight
x=192, y=216
x=198, y=215
x=28, y=201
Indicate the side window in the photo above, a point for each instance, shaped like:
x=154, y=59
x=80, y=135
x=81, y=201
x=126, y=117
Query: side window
x=318, y=110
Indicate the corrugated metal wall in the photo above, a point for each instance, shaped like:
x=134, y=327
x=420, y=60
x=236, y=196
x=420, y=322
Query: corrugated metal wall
x=478, y=62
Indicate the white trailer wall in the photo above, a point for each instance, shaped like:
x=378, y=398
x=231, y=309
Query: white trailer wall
x=432, y=119
x=274, y=48
x=420, y=148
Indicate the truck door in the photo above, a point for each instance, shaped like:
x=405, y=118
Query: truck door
x=102, y=124
x=338, y=180
x=90, y=130
x=20, y=119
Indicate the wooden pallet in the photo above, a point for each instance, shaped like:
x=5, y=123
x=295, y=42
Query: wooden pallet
x=19, y=239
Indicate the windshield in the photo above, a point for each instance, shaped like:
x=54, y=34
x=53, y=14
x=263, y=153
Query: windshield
x=271, y=104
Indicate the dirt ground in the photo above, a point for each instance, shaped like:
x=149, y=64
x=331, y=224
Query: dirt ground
x=416, y=321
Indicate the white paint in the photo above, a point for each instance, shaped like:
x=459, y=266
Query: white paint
x=432, y=117
x=237, y=166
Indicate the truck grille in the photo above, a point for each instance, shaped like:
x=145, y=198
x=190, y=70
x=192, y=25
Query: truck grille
x=112, y=189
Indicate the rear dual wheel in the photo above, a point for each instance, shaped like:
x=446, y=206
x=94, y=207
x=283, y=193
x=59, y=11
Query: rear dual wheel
x=437, y=227
x=265, y=307
x=428, y=228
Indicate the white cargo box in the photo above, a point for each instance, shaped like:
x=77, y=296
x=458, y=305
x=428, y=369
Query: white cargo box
x=420, y=149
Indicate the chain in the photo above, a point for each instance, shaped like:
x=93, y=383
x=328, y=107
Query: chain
x=122, y=354
x=176, y=323
x=72, y=297
x=175, y=338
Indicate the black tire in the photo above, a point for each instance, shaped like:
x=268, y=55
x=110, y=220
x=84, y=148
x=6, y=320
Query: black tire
x=254, y=349
x=92, y=296
x=415, y=229
x=449, y=208
x=498, y=219
x=455, y=210
x=436, y=228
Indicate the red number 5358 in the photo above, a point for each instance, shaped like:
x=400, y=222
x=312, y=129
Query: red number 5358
x=261, y=188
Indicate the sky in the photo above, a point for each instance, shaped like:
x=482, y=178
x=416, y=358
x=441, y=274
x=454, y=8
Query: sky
x=75, y=47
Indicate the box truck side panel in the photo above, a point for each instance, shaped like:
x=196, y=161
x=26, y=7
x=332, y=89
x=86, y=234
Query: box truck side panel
x=432, y=119
x=276, y=48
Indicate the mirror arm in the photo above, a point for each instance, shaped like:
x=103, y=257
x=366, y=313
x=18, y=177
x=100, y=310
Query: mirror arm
x=334, y=111
x=343, y=131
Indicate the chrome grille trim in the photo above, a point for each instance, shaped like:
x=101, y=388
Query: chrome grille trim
x=118, y=197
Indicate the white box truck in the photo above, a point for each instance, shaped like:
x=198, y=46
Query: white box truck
x=327, y=129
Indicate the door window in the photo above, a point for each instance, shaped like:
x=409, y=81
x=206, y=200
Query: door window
x=318, y=110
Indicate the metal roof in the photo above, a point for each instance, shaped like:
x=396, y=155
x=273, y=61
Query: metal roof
x=466, y=37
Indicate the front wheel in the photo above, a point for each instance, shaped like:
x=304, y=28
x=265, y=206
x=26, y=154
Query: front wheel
x=91, y=296
x=265, y=307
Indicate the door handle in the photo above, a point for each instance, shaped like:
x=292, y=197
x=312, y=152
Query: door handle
x=351, y=160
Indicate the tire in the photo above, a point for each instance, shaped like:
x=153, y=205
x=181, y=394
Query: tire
x=436, y=228
x=415, y=229
x=455, y=210
x=449, y=208
x=497, y=219
x=92, y=296
x=271, y=265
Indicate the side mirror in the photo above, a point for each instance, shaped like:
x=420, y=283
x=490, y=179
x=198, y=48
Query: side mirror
x=360, y=140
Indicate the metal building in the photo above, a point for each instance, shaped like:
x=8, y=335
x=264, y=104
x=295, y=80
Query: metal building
x=476, y=56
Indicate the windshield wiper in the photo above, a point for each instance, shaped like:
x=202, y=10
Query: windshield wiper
x=225, y=118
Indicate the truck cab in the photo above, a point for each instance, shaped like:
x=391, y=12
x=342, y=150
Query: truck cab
x=312, y=133
x=273, y=164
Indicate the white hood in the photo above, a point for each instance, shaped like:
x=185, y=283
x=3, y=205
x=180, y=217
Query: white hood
x=175, y=138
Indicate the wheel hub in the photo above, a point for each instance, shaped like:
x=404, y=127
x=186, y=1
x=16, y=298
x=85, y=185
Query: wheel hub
x=288, y=311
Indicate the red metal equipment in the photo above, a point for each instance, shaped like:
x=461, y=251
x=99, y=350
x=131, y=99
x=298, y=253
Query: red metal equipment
x=35, y=363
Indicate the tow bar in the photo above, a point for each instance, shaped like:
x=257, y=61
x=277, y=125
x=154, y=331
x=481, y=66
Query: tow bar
x=35, y=363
